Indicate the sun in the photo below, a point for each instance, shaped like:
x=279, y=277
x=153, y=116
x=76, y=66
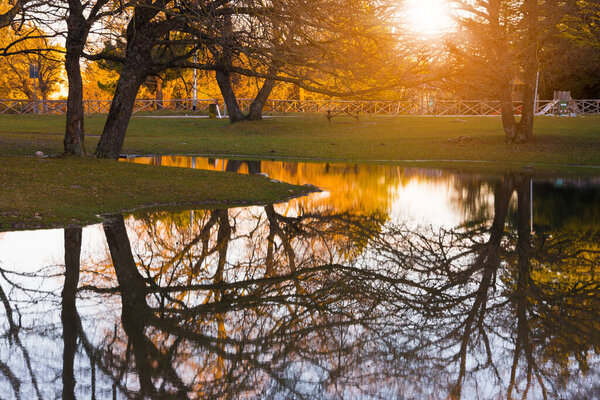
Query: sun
x=428, y=17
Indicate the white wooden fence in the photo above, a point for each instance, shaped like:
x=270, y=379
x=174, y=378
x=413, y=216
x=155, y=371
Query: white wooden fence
x=441, y=107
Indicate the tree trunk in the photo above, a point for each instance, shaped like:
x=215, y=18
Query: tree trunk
x=78, y=30
x=508, y=114
x=159, y=92
x=256, y=108
x=132, y=76
x=525, y=128
x=522, y=131
x=74, y=131
x=223, y=77
x=141, y=37
x=233, y=108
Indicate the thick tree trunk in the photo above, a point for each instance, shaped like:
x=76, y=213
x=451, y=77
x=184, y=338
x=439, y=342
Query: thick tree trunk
x=78, y=30
x=74, y=131
x=132, y=76
x=233, y=108
x=522, y=131
x=223, y=76
x=525, y=126
x=141, y=37
x=256, y=108
x=69, y=316
x=508, y=113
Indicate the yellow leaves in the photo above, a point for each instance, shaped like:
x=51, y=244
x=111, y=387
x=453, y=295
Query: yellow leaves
x=23, y=48
x=98, y=81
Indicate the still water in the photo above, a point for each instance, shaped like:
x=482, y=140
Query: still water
x=392, y=283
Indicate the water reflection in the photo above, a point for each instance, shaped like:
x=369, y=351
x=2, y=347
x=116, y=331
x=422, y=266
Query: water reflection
x=358, y=188
x=284, y=301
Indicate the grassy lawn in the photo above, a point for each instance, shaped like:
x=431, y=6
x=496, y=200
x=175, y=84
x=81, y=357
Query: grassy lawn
x=558, y=141
x=51, y=192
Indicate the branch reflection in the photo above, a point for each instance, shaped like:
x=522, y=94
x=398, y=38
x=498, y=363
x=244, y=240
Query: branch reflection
x=261, y=302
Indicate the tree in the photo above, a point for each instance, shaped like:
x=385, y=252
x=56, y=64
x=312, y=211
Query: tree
x=150, y=22
x=571, y=59
x=29, y=46
x=286, y=41
x=498, y=44
x=78, y=28
x=351, y=54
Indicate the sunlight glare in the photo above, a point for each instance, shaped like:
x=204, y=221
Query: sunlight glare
x=428, y=17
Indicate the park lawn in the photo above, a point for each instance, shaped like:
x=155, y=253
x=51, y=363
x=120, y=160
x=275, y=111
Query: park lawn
x=564, y=142
x=53, y=192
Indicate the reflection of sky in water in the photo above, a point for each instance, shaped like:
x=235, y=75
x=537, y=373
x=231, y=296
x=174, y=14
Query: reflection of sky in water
x=29, y=251
x=424, y=201
x=419, y=194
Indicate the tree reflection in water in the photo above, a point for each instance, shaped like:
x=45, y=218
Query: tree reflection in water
x=254, y=303
x=245, y=323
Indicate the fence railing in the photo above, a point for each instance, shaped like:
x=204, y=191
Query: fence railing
x=189, y=106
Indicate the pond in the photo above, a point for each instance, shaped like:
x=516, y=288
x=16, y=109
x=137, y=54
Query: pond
x=393, y=283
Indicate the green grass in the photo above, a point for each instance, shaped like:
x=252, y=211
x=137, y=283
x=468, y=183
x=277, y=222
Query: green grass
x=558, y=141
x=53, y=192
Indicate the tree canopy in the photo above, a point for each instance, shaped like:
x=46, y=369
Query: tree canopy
x=335, y=48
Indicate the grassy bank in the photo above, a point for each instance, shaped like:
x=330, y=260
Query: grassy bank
x=47, y=192
x=558, y=141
